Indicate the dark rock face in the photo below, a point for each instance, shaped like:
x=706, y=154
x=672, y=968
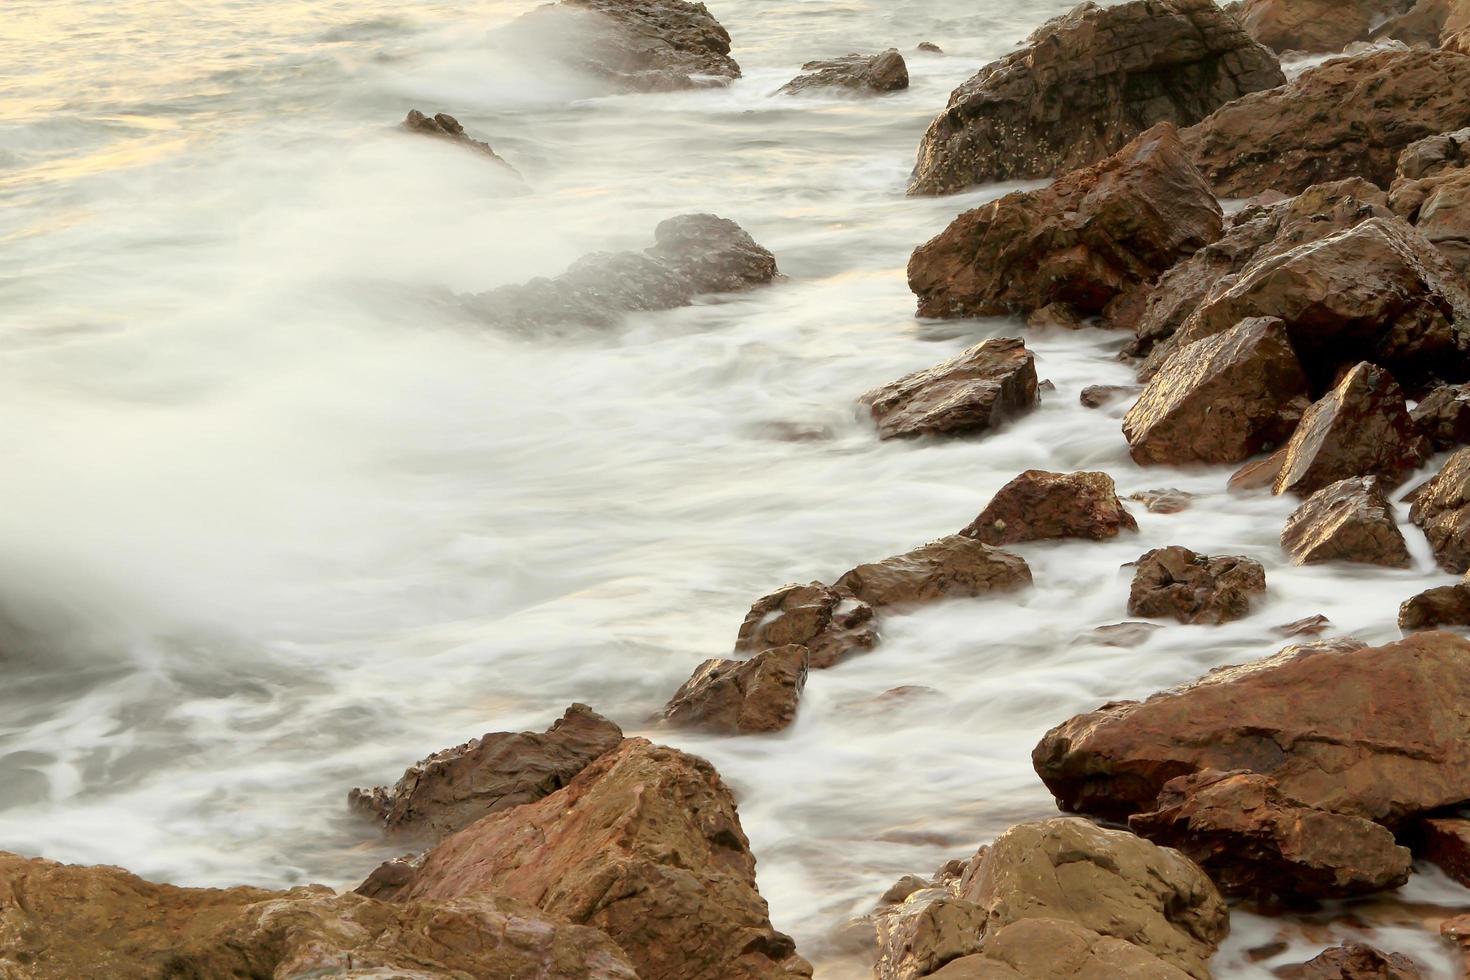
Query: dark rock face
x=1444, y=605
x=742, y=696
x=1442, y=509
x=1252, y=840
x=969, y=393
x=693, y=254
x=952, y=567
x=1316, y=25
x=1349, y=520
x=454, y=788
x=1080, y=243
x=1353, y=961
x=830, y=624
x=1445, y=842
x=1220, y=400
x=873, y=73
x=1038, y=505
x=1444, y=416
x=1375, y=732
x=1177, y=583
x=446, y=127
x=1349, y=117
x=1086, y=84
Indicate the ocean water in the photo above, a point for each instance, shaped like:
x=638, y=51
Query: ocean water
x=277, y=521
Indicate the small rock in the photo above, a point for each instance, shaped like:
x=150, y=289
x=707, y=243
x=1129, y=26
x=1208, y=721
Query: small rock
x=929, y=47
x=1445, y=843
x=1353, y=961
x=1258, y=474
x=1166, y=501
x=742, y=696
x=883, y=72
x=446, y=127
x=1096, y=396
x=1349, y=520
x=902, y=889
x=1054, y=316
x=1444, y=605
x=969, y=393
x=1125, y=634
x=1038, y=505
x=1308, y=626
x=1192, y=588
x=1441, y=507
x=829, y=623
x=1444, y=416
x=953, y=567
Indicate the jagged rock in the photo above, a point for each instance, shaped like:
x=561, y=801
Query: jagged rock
x=925, y=931
x=1316, y=25
x=1096, y=396
x=1038, y=505
x=1192, y=588
x=66, y=922
x=1441, y=507
x=1375, y=732
x=1054, y=949
x=882, y=72
x=1083, y=241
x=1349, y=117
x=830, y=624
x=1353, y=961
x=455, y=787
x=1349, y=520
x=1306, y=626
x=1431, y=190
x=971, y=392
x=1445, y=843
x=741, y=696
x=1444, y=416
x=1258, y=474
x=1165, y=501
x=446, y=127
x=1086, y=84
x=1253, y=840
x=644, y=844
x=952, y=567
x=693, y=254
x=1444, y=605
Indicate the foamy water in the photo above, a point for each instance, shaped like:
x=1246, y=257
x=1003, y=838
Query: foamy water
x=277, y=521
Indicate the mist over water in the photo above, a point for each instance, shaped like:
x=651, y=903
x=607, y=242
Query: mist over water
x=278, y=520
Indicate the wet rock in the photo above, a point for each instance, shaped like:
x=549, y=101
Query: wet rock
x=1375, y=732
x=444, y=126
x=1353, y=961
x=644, y=844
x=929, y=47
x=1177, y=583
x=742, y=696
x=1096, y=396
x=1219, y=400
x=969, y=393
x=1441, y=507
x=1436, y=207
x=952, y=567
x=902, y=889
x=1349, y=117
x=1055, y=316
x=1445, y=843
x=1165, y=501
x=1083, y=241
x=1307, y=626
x=455, y=787
x=927, y=930
x=882, y=72
x=830, y=624
x=1258, y=474
x=1038, y=505
x=64, y=922
x=1087, y=83
x=1253, y=840
x=1444, y=605
x=1125, y=634
x=1349, y=520
x=1316, y=25
x=1428, y=22
x=693, y=254
x=1444, y=416
x=1457, y=931
x=1054, y=949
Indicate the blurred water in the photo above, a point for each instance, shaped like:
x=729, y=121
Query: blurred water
x=277, y=523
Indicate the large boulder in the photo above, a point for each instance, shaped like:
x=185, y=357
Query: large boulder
x=742, y=696
x=1441, y=508
x=1443, y=605
x=1193, y=588
x=1081, y=243
x=1316, y=25
x=692, y=254
x=971, y=392
x=1349, y=117
x=66, y=922
x=1221, y=399
x=1431, y=190
x=1038, y=505
x=455, y=787
x=1086, y=84
x=644, y=844
x=1349, y=520
x=832, y=625
x=882, y=72
x=952, y=567
x=1376, y=732
x=1443, y=416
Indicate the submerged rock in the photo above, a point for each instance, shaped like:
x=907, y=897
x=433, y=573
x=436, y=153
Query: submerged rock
x=832, y=625
x=446, y=127
x=742, y=696
x=1441, y=508
x=1349, y=520
x=952, y=567
x=1353, y=961
x=1096, y=396
x=1038, y=505
x=872, y=73
x=1192, y=588
x=1167, y=500
x=969, y=393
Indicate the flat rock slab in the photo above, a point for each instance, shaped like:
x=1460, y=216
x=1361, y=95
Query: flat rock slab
x=868, y=74
x=952, y=567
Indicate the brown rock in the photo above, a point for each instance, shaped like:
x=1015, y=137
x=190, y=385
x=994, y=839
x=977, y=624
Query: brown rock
x=742, y=696
x=929, y=47
x=1193, y=588
x=1125, y=634
x=1253, y=840
x=67, y=922
x=1375, y=732
x=1444, y=605
x=925, y=931
x=1054, y=949
x=1055, y=316
x=1316, y=25
x=952, y=567
x=882, y=72
x=1349, y=520
x=1307, y=626
x=1444, y=416
x=971, y=392
x=455, y=787
x=1258, y=474
x=644, y=844
x=829, y=623
x=1219, y=400
x=1445, y=843
x=1165, y=501
x=1086, y=84
x=1349, y=117
x=1441, y=507
x=1432, y=189
x=1360, y=428
x=1429, y=22
x=446, y=127
x=1457, y=930
x=1038, y=505
x=1083, y=241
x=1353, y=961
x=1096, y=396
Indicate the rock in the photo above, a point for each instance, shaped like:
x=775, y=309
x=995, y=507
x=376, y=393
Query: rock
x=1254, y=841
x=1434, y=155
x=1191, y=588
x=1441, y=507
x=1125, y=634
x=1353, y=961
x=446, y=127
x=971, y=392
x=455, y=787
x=1258, y=474
x=644, y=844
x=1085, y=85
x=1349, y=117
x=927, y=930
x=1457, y=930
x=830, y=624
x=1444, y=605
x=1444, y=416
x=1096, y=396
x=1375, y=732
x=1316, y=25
x=1307, y=626
x=65, y=922
x=1165, y=501
x=1218, y=400
x=902, y=889
x=953, y=567
x=693, y=254
x=1429, y=22
x=1349, y=520
x=873, y=73
x=929, y=47
x=1431, y=189
x=1445, y=843
x=1055, y=316
x=1054, y=949
x=1083, y=241
x=1038, y=505
x=742, y=696
x=1360, y=428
